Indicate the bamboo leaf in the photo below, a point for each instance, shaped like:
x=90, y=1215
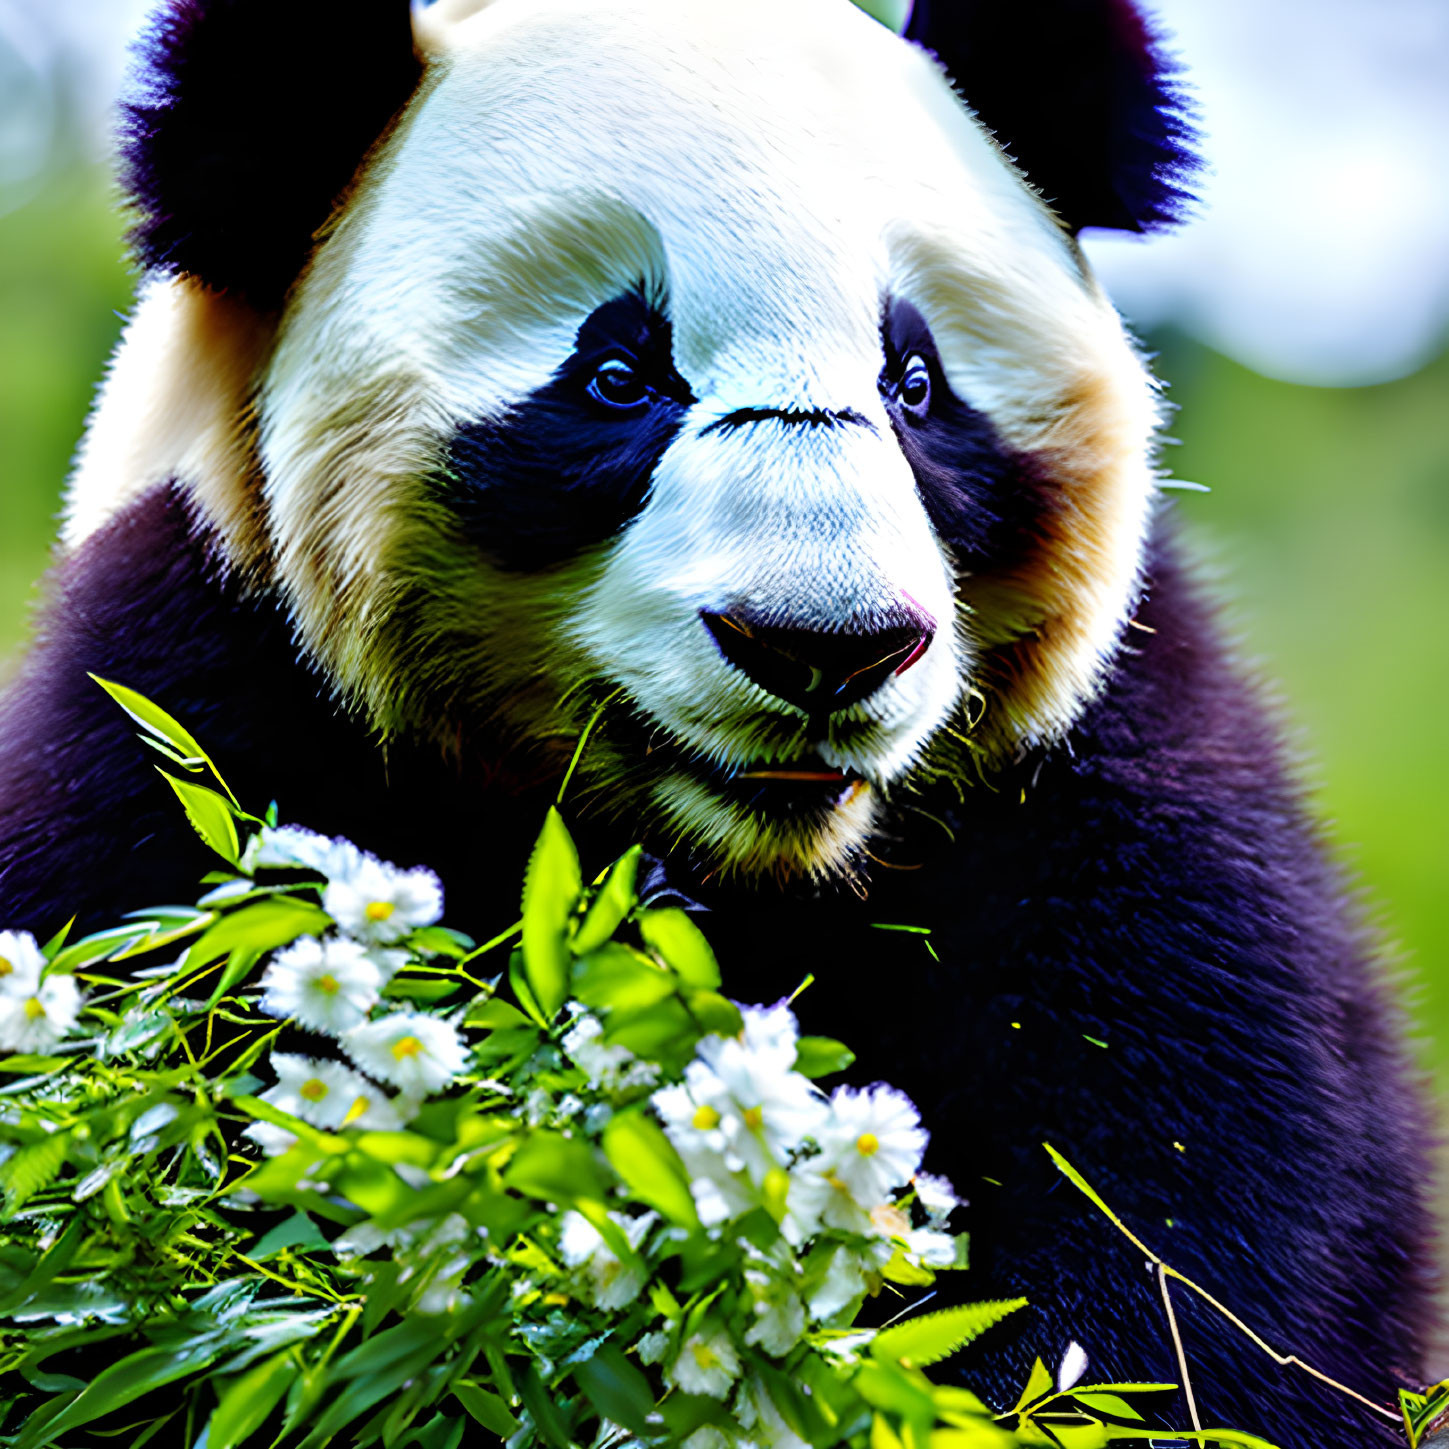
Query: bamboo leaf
x=611, y=905
x=210, y=816
x=160, y=726
x=819, y=1056
x=487, y=1408
x=652, y=1170
x=258, y=928
x=934, y=1336
x=617, y=1389
x=120, y=1384
x=682, y=946
x=550, y=891
x=246, y=1402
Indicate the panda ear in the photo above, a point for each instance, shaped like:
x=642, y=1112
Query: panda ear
x=244, y=123
x=1080, y=95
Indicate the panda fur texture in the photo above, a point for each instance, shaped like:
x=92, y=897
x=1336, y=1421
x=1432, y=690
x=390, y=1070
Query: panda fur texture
x=713, y=370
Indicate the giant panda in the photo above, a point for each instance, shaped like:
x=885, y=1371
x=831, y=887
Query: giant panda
x=727, y=374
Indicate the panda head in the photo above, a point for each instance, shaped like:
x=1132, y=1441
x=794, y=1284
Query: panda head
x=706, y=376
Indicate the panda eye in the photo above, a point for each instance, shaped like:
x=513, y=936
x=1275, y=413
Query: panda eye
x=915, y=389
x=617, y=385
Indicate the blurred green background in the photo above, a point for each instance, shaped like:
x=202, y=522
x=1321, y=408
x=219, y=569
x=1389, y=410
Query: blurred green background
x=1327, y=527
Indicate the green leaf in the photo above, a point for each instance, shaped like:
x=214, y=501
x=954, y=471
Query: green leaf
x=1038, y=1386
x=651, y=1169
x=556, y=1168
x=100, y=946
x=611, y=904
x=663, y=1032
x=934, y=1336
x=615, y=978
x=239, y=965
x=550, y=1424
x=33, y=1066
x=247, y=1401
x=120, y=1384
x=440, y=1432
x=714, y=1013
x=819, y=1056
x=210, y=816
x=441, y=941
x=682, y=946
x=550, y=891
x=260, y=927
x=487, y=1408
x=421, y=988
x=1107, y=1404
x=495, y=1015
x=617, y=1389
x=297, y=1231
x=52, y=947
x=181, y=746
x=33, y=1167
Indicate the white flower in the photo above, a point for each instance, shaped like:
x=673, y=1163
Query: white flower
x=779, y=1314
x=937, y=1197
x=603, y=1065
x=705, y=1364
x=705, y=1437
x=873, y=1141
x=931, y=1249
x=289, y=848
x=21, y=963
x=652, y=1347
x=694, y=1130
x=37, y=1018
x=327, y=1095
x=378, y=903
x=611, y=1284
x=742, y=1106
x=327, y=986
x=1074, y=1365
x=416, y=1053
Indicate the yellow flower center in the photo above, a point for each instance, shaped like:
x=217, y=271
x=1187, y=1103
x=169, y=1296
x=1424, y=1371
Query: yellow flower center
x=314, y=1089
x=33, y=1009
x=407, y=1046
x=705, y=1356
x=754, y=1118
x=380, y=911
x=6, y=968
x=328, y=982
x=706, y=1118
x=867, y=1144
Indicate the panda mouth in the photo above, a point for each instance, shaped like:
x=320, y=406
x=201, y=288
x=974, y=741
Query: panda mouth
x=804, y=787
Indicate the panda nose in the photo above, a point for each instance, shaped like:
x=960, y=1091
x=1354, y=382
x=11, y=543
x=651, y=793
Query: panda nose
x=821, y=671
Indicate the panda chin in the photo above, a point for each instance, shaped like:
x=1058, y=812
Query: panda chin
x=782, y=823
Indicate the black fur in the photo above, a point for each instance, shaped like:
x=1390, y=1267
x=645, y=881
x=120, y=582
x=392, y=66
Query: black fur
x=562, y=469
x=244, y=123
x=1154, y=886
x=983, y=499
x=1082, y=97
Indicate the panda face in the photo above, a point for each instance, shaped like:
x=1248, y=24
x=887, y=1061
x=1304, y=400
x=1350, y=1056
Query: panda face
x=741, y=403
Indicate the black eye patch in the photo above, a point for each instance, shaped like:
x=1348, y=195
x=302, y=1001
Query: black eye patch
x=981, y=497
x=563, y=469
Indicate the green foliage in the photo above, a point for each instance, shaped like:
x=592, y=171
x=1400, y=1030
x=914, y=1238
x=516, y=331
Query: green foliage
x=519, y=1248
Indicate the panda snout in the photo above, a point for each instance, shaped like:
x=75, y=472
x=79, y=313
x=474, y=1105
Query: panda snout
x=821, y=671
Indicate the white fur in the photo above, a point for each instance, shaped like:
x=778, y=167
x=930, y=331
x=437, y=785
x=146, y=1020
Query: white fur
x=776, y=171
